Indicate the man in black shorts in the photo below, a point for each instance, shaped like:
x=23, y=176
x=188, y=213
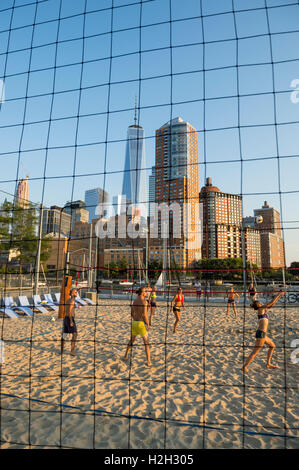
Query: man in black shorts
x=69, y=324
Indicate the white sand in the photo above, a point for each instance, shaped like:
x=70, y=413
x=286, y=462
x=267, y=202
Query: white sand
x=204, y=385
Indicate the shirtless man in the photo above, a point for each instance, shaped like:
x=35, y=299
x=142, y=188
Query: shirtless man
x=261, y=333
x=139, y=320
x=69, y=325
x=231, y=294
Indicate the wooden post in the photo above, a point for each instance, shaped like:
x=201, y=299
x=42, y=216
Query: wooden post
x=66, y=286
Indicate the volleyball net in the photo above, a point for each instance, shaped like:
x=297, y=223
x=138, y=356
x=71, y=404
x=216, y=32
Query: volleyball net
x=155, y=143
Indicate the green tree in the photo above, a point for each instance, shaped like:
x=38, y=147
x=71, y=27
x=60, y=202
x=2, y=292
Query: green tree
x=122, y=266
x=293, y=270
x=154, y=269
x=225, y=269
x=5, y=224
x=24, y=222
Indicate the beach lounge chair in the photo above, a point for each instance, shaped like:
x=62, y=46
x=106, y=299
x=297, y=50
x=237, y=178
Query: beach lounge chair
x=88, y=301
x=80, y=301
x=38, y=303
x=50, y=303
x=9, y=303
x=24, y=302
x=7, y=311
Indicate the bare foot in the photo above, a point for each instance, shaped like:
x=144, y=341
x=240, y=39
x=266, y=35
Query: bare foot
x=272, y=366
x=244, y=369
x=73, y=353
x=149, y=364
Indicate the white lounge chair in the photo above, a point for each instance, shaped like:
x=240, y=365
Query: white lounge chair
x=38, y=303
x=50, y=302
x=24, y=302
x=9, y=303
x=10, y=313
x=88, y=301
x=7, y=311
x=80, y=301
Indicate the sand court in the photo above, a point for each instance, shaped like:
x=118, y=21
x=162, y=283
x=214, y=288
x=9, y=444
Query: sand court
x=194, y=395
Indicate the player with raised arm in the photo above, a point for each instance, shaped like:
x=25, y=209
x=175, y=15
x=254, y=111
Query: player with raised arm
x=261, y=332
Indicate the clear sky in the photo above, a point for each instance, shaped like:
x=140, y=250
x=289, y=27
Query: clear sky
x=225, y=66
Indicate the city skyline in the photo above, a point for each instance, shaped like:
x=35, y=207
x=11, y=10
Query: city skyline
x=177, y=168
x=69, y=128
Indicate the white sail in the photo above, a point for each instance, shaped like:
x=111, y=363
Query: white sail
x=159, y=282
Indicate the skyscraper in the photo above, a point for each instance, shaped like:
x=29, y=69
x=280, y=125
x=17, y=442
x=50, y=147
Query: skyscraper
x=222, y=220
x=96, y=199
x=78, y=211
x=56, y=220
x=223, y=226
x=272, y=244
x=22, y=193
x=134, y=181
x=177, y=181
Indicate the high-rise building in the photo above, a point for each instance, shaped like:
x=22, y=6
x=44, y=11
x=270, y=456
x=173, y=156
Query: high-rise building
x=177, y=181
x=22, y=193
x=78, y=211
x=96, y=201
x=134, y=180
x=55, y=221
x=222, y=219
x=223, y=226
x=151, y=192
x=272, y=244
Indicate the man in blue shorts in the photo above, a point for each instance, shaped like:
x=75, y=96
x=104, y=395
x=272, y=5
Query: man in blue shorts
x=69, y=324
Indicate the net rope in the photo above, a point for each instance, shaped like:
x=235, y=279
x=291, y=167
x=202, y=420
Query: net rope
x=26, y=406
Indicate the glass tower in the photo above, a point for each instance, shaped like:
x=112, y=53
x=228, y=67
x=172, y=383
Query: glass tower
x=134, y=181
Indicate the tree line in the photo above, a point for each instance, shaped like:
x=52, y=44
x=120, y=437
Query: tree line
x=18, y=234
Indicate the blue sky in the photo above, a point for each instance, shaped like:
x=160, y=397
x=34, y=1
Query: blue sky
x=70, y=143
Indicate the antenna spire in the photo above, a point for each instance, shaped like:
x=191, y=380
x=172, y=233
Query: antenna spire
x=135, y=114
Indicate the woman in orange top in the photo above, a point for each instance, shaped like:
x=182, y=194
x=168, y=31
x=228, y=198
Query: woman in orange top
x=178, y=302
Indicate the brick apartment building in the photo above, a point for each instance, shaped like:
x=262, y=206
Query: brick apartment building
x=222, y=224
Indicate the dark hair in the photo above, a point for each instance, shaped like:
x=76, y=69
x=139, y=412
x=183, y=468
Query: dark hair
x=254, y=305
x=140, y=290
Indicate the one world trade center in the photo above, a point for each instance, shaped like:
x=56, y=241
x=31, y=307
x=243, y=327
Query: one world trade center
x=134, y=181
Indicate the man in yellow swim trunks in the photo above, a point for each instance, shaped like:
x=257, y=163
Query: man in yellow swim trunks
x=139, y=320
